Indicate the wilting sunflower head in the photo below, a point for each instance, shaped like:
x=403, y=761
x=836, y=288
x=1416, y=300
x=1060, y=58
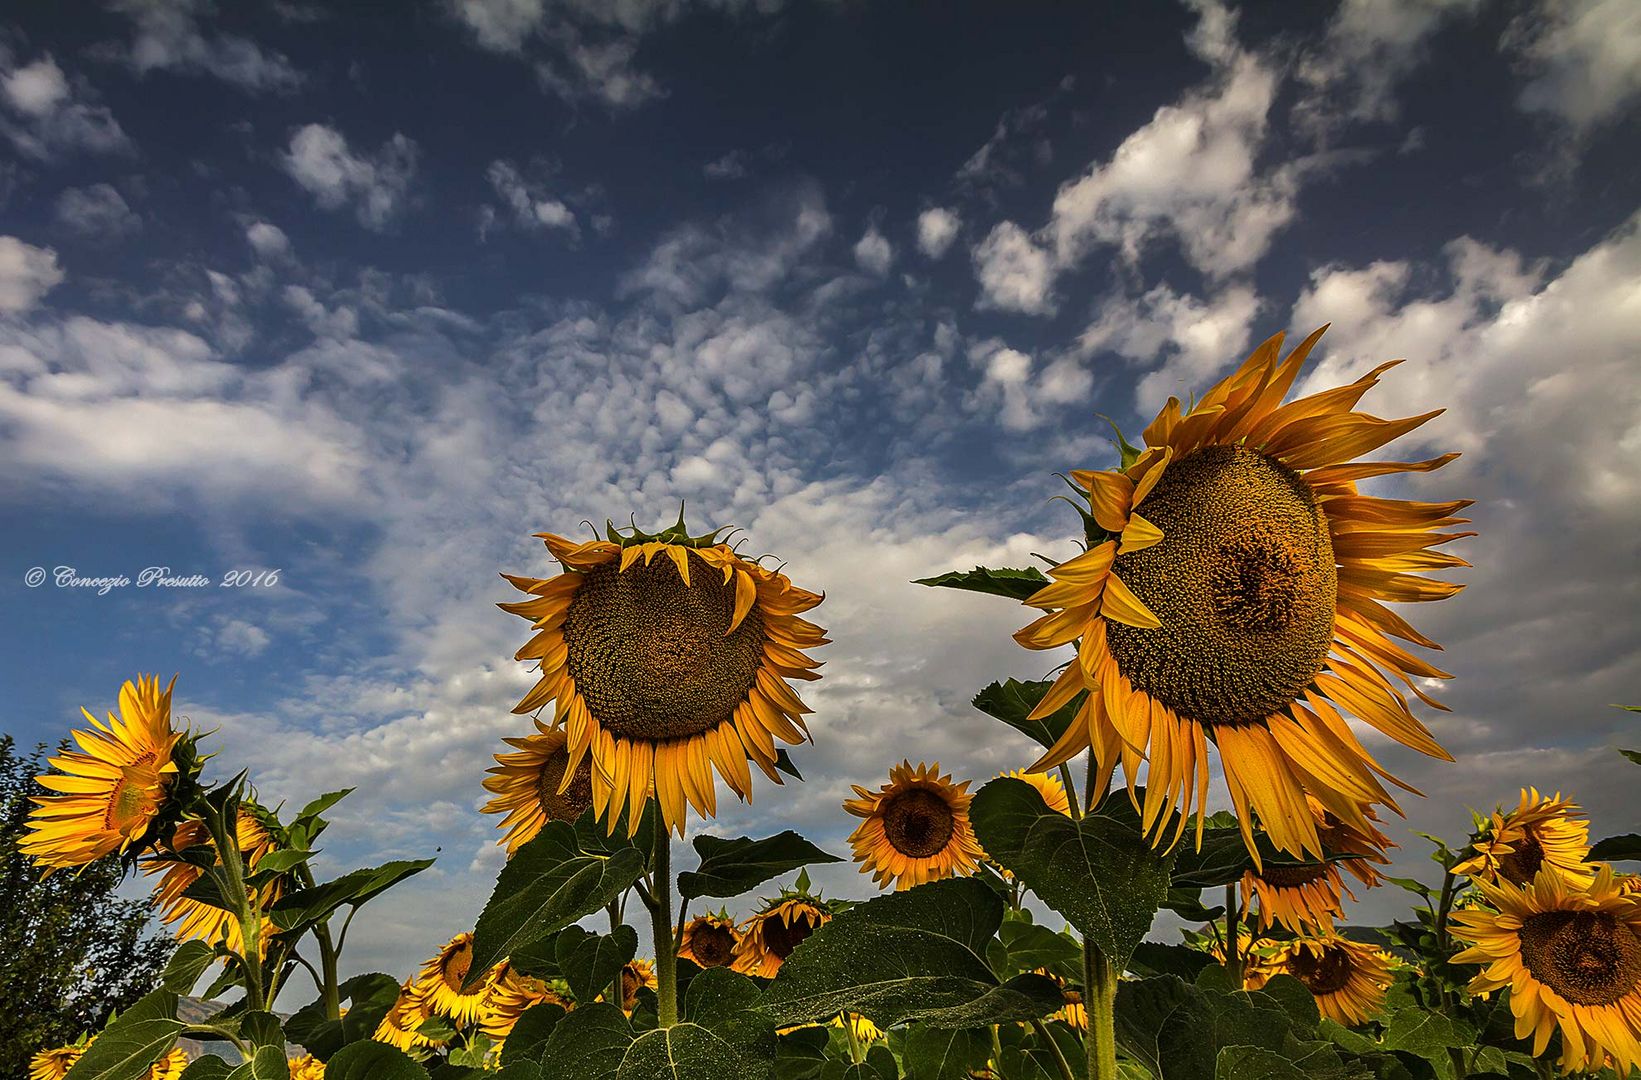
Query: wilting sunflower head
x=54, y=1064
x=114, y=787
x=507, y=995
x=306, y=1067
x=1347, y=978
x=1233, y=591
x=915, y=829
x=1571, y=956
x=663, y=668
x=399, y=1026
x=1541, y=831
x=771, y=934
x=709, y=941
x=200, y=921
x=536, y=785
x=441, y=978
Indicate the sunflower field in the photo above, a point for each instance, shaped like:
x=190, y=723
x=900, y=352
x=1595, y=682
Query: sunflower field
x=1223, y=637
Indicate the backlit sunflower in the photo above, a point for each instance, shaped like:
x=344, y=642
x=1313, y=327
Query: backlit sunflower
x=662, y=668
x=1300, y=898
x=1347, y=978
x=440, y=982
x=1571, y=957
x=635, y=976
x=1233, y=590
x=864, y=1031
x=196, y=920
x=507, y=995
x=306, y=1067
x=1341, y=839
x=1539, y=832
x=168, y=1067
x=535, y=786
x=780, y=926
x=54, y=1064
x=113, y=787
x=1048, y=786
x=709, y=941
x=916, y=828
x=399, y=1026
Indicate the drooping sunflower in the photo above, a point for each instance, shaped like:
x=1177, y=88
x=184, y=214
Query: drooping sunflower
x=1257, y=959
x=863, y=1030
x=306, y=1067
x=636, y=974
x=113, y=787
x=536, y=785
x=770, y=935
x=1048, y=786
x=915, y=829
x=196, y=920
x=1347, y=978
x=663, y=668
x=1301, y=898
x=1571, y=956
x=1539, y=832
x=440, y=982
x=399, y=1026
x=1341, y=839
x=54, y=1064
x=507, y=995
x=1233, y=591
x=709, y=941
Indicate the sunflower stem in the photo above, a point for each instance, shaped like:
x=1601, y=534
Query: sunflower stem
x=1233, y=935
x=1071, y=790
x=1054, y=1048
x=615, y=922
x=1100, y=1000
x=666, y=956
x=230, y=875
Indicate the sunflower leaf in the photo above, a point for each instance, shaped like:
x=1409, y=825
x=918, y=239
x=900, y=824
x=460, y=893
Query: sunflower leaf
x=369, y=998
x=528, y=1039
x=1626, y=847
x=944, y=1054
x=1177, y=1030
x=913, y=955
x=133, y=1041
x=688, y=1051
x=732, y=867
x=1015, y=584
x=590, y=1042
x=1633, y=755
x=1100, y=873
x=548, y=884
x=731, y=1006
x=1012, y=702
x=305, y=907
x=186, y=965
x=369, y=1060
x=590, y=961
x=267, y=1063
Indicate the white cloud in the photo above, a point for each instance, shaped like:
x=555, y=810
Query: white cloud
x=96, y=211
x=1584, y=58
x=601, y=70
x=45, y=115
x=1183, y=340
x=732, y=166
x=1016, y=274
x=502, y=25
x=167, y=36
x=873, y=252
x=532, y=208
x=936, y=229
x=377, y=185
x=269, y=241
x=26, y=274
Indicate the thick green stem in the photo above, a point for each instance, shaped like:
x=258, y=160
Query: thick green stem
x=231, y=882
x=615, y=922
x=1100, y=1001
x=1233, y=935
x=327, y=968
x=666, y=953
x=1054, y=1048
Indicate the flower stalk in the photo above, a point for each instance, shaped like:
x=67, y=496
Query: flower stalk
x=666, y=952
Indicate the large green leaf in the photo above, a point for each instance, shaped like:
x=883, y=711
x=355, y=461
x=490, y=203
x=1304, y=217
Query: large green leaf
x=209, y=1067
x=186, y=965
x=1012, y=702
x=1027, y=946
x=368, y=998
x=590, y=961
x=548, y=884
x=689, y=1052
x=372, y=1061
x=943, y=1054
x=589, y=1042
x=1015, y=584
x=1623, y=848
x=268, y=1063
x=1176, y=1030
x=913, y=955
x=731, y=1006
x=528, y=1039
x=1100, y=873
x=732, y=867
x=135, y=1040
x=303, y=908
x=1223, y=856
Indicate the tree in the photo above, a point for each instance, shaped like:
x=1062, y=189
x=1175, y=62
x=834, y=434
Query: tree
x=71, y=950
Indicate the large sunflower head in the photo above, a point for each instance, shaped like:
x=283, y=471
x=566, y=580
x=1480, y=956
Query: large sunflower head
x=1233, y=591
x=507, y=995
x=709, y=941
x=54, y=1064
x=441, y=978
x=771, y=933
x=201, y=921
x=667, y=655
x=114, y=787
x=1541, y=831
x=915, y=829
x=1347, y=978
x=1571, y=956
x=536, y=785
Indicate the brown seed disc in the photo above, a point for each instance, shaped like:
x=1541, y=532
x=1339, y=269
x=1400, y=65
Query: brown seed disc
x=1588, y=957
x=780, y=937
x=455, y=966
x=575, y=799
x=1243, y=581
x=650, y=655
x=712, y=945
x=1520, y=865
x=1324, y=974
x=1292, y=876
x=917, y=822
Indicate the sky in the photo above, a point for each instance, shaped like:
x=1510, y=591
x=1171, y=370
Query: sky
x=368, y=297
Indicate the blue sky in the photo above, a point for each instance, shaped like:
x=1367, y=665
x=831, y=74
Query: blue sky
x=370, y=299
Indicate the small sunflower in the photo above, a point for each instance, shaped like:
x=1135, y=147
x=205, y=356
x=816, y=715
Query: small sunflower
x=1048, y=786
x=168, y=1067
x=200, y=921
x=709, y=941
x=1341, y=839
x=1347, y=978
x=399, y=1027
x=636, y=975
x=536, y=785
x=1571, y=957
x=1237, y=542
x=916, y=828
x=306, y=1067
x=864, y=1031
x=113, y=787
x=507, y=995
x=1073, y=1011
x=780, y=926
x=1300, y=898
x=1539, y=832
x=1258, y=962
x=662, y=669
x=441, y=978
x=54, y=1064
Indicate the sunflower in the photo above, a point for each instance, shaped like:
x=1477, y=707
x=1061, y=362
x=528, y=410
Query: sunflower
x=1301, y=898
x=54, y=1064
x=168, y=1067
x=535, y=786
x=636, y=975
x=113, y=787
x=863, y=1030
x=507, y=995
x=709, y=941
x=1571, y=956
x=196, y=920
x=1258, y=963
x=780, y=926
x=663, y=668
x=1233, y=590
x=1539, y=832
x=916, y=828
x=1347, y=978
x=441, y=978
x=306, y=1067
x=1048, y=786
x=399, y=1026
x=1341, y=839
